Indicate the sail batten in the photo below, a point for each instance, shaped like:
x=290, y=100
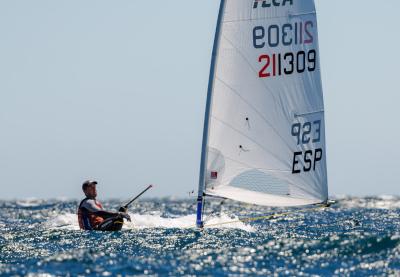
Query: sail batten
x=266, y=106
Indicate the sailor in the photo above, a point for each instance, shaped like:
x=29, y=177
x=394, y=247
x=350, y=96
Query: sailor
x=92, y=216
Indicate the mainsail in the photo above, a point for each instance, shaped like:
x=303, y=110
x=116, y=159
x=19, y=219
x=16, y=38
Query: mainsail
x=264, y=129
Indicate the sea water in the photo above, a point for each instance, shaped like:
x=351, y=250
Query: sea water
x=355, y=237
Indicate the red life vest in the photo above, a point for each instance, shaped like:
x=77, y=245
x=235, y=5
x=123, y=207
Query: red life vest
x=87, y=219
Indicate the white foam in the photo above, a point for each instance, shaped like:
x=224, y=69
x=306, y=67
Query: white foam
x=382, y=202
x=30, y=202
x=144, y=221
x=63, y=221
x=156, y=221
x=225, y=221
x=388, y=197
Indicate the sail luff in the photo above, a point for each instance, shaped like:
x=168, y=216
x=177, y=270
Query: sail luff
x=203, y=163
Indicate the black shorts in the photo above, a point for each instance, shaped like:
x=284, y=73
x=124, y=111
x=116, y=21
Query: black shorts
x=111, y=224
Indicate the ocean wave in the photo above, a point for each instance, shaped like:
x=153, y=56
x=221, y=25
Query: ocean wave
x=355, y=237
x=69, y=221
x=30, y=202
x=380, y=202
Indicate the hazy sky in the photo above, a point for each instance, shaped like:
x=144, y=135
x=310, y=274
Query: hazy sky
x=115, y=90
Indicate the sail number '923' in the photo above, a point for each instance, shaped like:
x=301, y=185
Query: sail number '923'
x=308, y=132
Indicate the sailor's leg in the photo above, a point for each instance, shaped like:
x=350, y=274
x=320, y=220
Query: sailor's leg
x=111, y=224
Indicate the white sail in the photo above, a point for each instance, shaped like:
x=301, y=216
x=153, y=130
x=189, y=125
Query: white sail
x=265, y=140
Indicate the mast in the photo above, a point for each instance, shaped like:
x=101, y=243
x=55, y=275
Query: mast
x=203, y=162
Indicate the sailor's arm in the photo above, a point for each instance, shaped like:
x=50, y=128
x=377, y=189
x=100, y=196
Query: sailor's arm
x=91, y=206
x=105, y=214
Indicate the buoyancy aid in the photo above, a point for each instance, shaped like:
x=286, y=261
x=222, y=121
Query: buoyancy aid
x=88, y=220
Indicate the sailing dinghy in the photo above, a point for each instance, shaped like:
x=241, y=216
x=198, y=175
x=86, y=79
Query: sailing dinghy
x=264, y=127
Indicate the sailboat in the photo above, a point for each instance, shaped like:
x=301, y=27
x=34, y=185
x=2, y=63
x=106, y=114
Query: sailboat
x=264, y=127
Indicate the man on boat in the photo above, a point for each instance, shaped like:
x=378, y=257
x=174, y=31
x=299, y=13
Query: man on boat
x=92, y=216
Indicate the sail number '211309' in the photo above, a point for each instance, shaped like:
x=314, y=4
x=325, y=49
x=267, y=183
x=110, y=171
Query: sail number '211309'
x=285, y=35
